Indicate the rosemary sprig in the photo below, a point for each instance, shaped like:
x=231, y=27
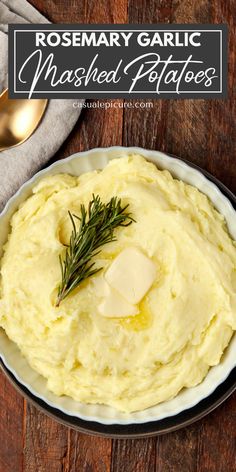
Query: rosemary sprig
x=96, y=228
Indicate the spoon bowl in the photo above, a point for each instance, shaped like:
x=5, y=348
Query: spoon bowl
x=19, y=118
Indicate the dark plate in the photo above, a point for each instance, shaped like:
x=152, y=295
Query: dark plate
x=153, y=428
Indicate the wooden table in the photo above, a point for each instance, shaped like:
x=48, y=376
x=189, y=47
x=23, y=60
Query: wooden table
x=203, y=131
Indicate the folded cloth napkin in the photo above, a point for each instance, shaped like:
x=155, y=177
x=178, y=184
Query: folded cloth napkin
x=20, y=163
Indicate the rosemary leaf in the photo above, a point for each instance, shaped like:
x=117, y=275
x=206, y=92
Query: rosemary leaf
x=96, y=228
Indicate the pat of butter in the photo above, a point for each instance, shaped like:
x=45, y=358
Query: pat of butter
x=114, y=305
x=131, y=274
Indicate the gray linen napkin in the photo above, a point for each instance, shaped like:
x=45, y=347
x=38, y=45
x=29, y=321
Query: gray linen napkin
x=20, y=163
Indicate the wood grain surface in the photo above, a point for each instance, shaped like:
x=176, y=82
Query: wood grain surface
x=203, y=131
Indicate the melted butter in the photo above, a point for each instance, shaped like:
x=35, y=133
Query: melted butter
x=111, y=255
x=141, y=321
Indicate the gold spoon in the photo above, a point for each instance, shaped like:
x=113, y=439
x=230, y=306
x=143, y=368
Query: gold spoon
x=19, y=118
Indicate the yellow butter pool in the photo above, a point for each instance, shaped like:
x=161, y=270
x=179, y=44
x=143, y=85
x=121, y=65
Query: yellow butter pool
x=185, y=321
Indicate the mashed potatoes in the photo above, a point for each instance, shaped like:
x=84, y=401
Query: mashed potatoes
x=184, y=322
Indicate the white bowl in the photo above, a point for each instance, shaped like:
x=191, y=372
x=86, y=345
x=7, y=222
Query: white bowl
x=16, y=363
